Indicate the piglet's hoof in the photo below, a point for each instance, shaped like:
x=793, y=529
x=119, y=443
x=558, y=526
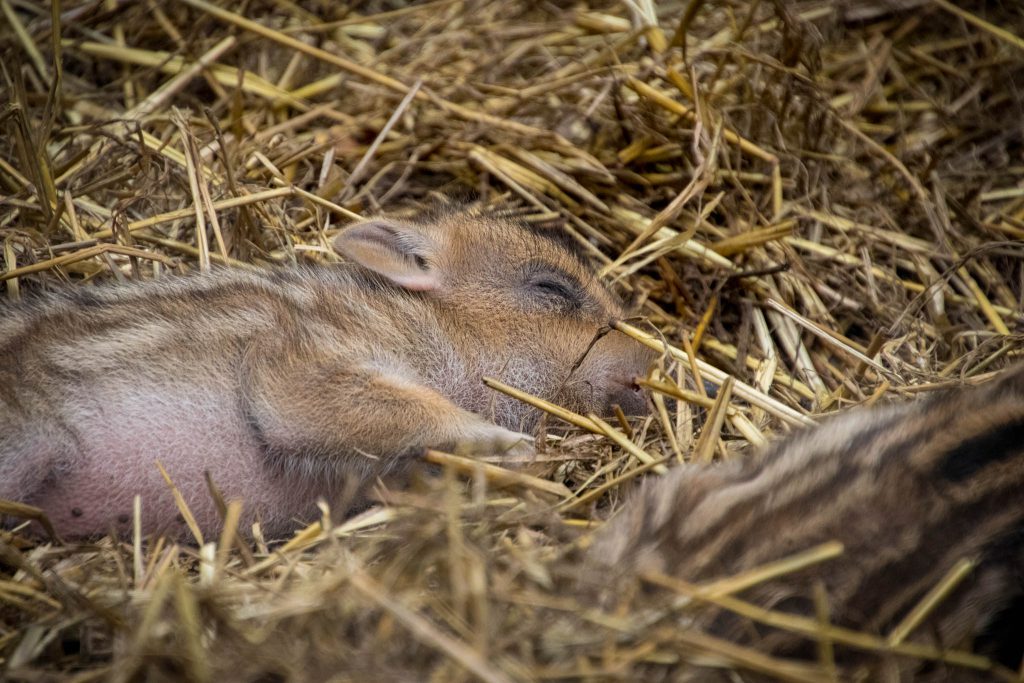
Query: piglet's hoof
x=495, y=440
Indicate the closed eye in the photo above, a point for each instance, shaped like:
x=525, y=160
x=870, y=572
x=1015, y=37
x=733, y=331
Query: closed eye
x=555, y=288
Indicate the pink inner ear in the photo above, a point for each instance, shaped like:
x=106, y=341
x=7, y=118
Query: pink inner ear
x=422, y=282
x=394, y=250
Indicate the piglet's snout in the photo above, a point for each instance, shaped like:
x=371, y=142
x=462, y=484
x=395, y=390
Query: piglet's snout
x=615, y=365
x=628, y=395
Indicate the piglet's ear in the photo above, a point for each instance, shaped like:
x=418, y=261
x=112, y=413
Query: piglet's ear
x=401, y=252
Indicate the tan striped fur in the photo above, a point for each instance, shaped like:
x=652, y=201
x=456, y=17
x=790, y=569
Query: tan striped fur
x=294, y=384
x=908, y=490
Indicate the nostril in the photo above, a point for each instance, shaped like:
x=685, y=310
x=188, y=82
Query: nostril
x=629, y=395
x=632, y=385
x=626, y=386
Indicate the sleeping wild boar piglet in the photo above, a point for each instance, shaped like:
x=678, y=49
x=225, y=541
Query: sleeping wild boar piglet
x=290, y=385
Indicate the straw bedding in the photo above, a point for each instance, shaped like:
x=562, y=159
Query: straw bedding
x=821, y=199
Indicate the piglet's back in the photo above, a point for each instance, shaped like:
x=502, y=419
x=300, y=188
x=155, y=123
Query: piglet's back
x=908, y=490
x=179, y=331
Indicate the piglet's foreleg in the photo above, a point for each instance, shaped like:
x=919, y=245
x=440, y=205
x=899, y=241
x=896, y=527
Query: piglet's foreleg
x=361, y=420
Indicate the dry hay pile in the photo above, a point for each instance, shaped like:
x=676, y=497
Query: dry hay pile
x=823, y=200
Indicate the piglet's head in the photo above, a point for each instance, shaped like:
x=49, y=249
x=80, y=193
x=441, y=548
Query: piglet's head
x=524, y=305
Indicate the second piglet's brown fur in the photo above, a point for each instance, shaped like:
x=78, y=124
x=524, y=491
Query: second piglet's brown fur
x=294, y=384
x=909, y=490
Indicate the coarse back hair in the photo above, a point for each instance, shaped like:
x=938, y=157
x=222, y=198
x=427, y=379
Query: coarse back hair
x=909, y=490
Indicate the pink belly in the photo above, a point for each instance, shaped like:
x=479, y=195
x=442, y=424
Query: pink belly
x=119, y=444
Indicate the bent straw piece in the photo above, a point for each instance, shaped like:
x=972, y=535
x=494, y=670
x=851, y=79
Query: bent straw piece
x=495, y=474
x=772, y=570
x=710, y=435
x=598, y=491
x=811, y=628
x=933, y=599
x=830, y=336
x=1000, y=33
x=548, y=407
x=231, y=203
x=916, y=287
x=744, y=391
x=178, y=67
x=313, y=534
x=15, y=509
x=183, y=508
x=363, y=71
x=668, y=104
x=778, y=376
x=620, y=439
